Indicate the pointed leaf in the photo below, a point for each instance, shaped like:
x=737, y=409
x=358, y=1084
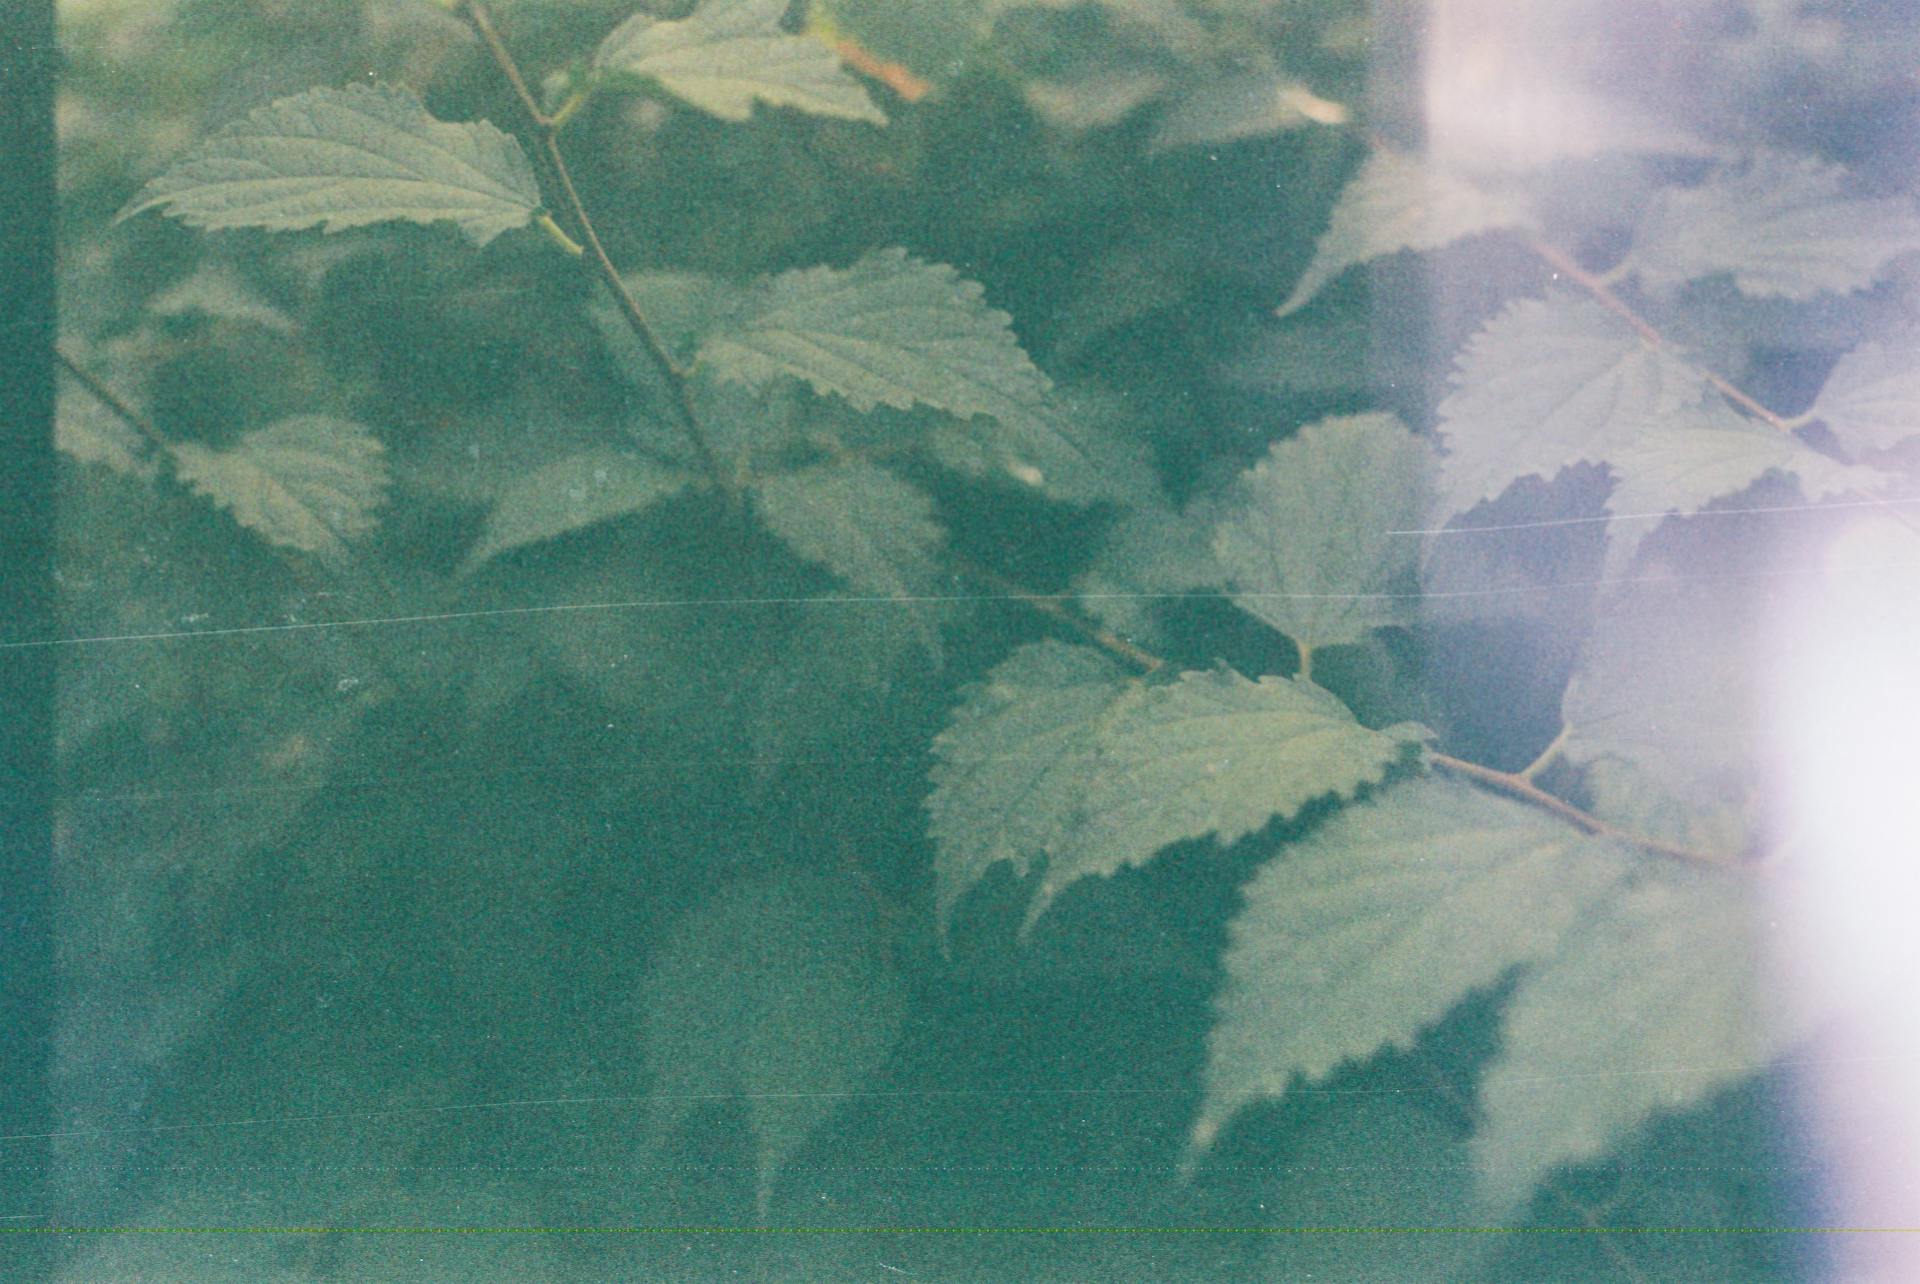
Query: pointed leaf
x=1783, y=226
x=1395, y=203
x=1710, y=453
x=1306, y=541
x=571, y=493
x=890, y=330
x=773, y=991
x=868, y=526
x=1650, y=1008
x=1060, y=754
x=1547, y=384
x=729, y=54
x=344, y=158
x=308, y=482
x=1871, y=400
x=1383, y=919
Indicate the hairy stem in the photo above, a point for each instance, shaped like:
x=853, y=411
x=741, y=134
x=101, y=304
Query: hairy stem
x=548, y=128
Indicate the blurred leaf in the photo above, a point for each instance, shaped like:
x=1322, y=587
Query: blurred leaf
x=1871, y=399
x=1398, y=203
x=216, y=290
x=308, y=482
x=730, y=53
x=1233, y=108
x=1379, y=922
x=772, y=992
x=347, y=157
x=1783, y=226
x=571, y=493
x=1308, y=535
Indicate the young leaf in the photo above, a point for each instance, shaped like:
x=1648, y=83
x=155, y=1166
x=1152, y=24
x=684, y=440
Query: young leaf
x=890, y=330
x=774, y=992
x=729, y=53
x=1398, y=203
x=1379, y=922
x=308, y=482
x=571, y=493
x=1783, y=226
x=1306, y=541
x=1651, y=1007
x=1871, y=399
x=344, y=158
x=1710, y=453
x=872, y=529
x=1550, y=383
x=1060, y=754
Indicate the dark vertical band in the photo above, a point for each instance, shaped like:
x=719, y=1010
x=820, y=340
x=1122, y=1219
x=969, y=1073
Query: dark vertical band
x=28, y=63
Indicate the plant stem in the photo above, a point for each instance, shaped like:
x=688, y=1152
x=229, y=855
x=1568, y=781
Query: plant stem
x=1547, y=756
x=548, y=128
x=111, y=400
x=1603, y=293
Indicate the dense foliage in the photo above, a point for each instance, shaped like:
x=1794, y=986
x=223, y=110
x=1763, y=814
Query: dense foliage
x=950, y=613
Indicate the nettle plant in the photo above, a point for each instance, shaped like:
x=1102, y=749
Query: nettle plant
x=1617, y=883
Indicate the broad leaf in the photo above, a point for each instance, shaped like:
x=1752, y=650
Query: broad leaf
x=309, y=482
x=1059, y=754
x=1550, y=383
x=1871, y=399
x=874, y=530
x=774, y=992
x=1308, y=541
x=1651, y=1007
x=1383, y=919
x=731, y=53
x=1710, y=453
x=1154, y=553
x=571, y=493
x=1398, y=203
x=1783, y=226
x=347, y=157
x=890, y=330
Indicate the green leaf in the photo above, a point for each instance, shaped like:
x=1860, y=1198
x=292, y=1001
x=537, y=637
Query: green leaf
x=1059, y=754
x=1549, y=383
x=773, y=992
x=571, y=493
x=1650, y=1008
x=1712, y=452
x=1783, y=226
x=309, y=482
x=1232, y=108
x=1307, y=540
x=869, y=527
x=1379, y=922
x=1153, y=553
x=1871, y=399
x=890, y=330
x=344, y=158
x=216, y=290
x=1395, y=203
x=730, y=53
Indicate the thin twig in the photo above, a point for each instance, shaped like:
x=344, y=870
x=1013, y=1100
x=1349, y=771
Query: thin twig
x=112, y=401
x=1054, y=605
x=548, y=128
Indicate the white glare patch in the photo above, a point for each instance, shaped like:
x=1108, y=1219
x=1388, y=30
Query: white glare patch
x=1846, y=687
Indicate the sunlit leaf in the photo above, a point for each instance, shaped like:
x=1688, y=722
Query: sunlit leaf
x=1313, y=538
x=1550, y=383
x=1379, y=922
x=728, y=54
x=1871, y=400
x=309, y=482
x=890, y=330
x=1783, y=226
x=346, y=157
x=774, y=993
x=571, y=493
x=1651, y=1007
x=1060, y=754
x=1395, y=203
